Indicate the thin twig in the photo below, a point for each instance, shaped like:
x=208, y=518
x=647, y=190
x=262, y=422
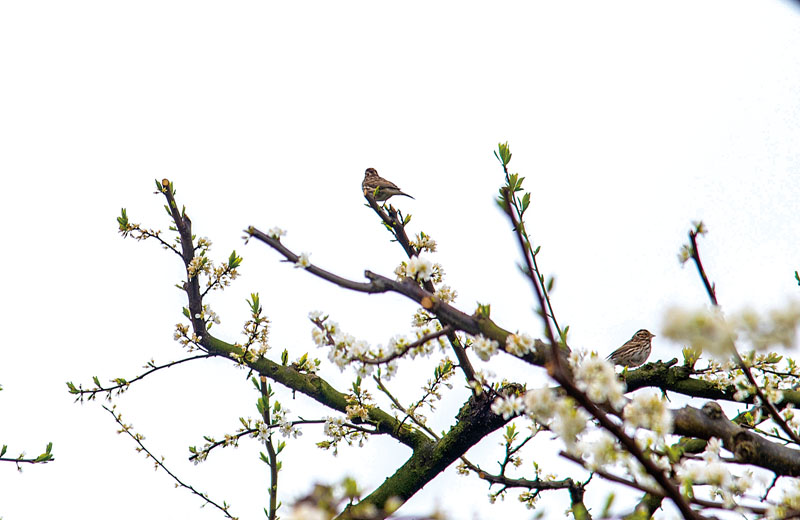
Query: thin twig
x=710, y=287
x=711, y=290
x=273, y=456
x=137, y=439
x=80, y=392
x=647, y=489
x=533, y=266
x=559, y=374
x=408, y=415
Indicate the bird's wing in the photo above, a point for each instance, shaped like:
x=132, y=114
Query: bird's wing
x=383, y=183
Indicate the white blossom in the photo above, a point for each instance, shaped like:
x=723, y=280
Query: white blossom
x=541, y=403
x=276, y=233
x=304, y=511
x=419, y=268
x=508, y=406
x=569, y=422
x=263, y=432
x=446, y=293
x=649, y=410
x=424, y=242
x=707, y=329
x=287, y=429
x=596, y=377
x=519, y=344
x=601, y=450
x=779, y=327
x=484, y=347
x=302, y=261
x=703, y=329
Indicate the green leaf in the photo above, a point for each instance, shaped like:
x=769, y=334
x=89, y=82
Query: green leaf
x=607, y=507
x=526, y=200
x=234, y=261
x=511, y=431
x=512, y=182
x=773, y=357
x=255, y=303
x=284, y=357
x=503, y=153
x=563, y=337
x=350, y=487
x=123, y=220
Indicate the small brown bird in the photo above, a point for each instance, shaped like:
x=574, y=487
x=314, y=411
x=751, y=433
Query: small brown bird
x=385, y=189
x=635, y=351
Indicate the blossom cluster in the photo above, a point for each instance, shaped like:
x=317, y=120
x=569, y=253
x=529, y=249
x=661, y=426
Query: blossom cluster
x=338, y=430
x=222, y=276
x=208, y=316
x=649, y=410
x=198, y=264
x=596, y=377
x=280, y=418
x=344, y=349
x=484, y=347
x=707, y=330
x=712, y=471
x=256, y=329
x=420, y=269
x=519, y=344
x=424, y=242
x=190, y=341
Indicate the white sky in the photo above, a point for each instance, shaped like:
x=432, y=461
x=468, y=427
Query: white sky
x=628, y=120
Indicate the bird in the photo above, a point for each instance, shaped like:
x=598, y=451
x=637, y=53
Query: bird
x=635, y=351
x=385, y=189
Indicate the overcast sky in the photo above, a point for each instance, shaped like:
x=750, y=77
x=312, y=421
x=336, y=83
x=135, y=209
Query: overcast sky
x=628, y=120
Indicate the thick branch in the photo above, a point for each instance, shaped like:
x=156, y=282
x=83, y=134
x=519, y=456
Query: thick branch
x=746, y=446
x=444, y=312
x=474, y=422
x=318, y=389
